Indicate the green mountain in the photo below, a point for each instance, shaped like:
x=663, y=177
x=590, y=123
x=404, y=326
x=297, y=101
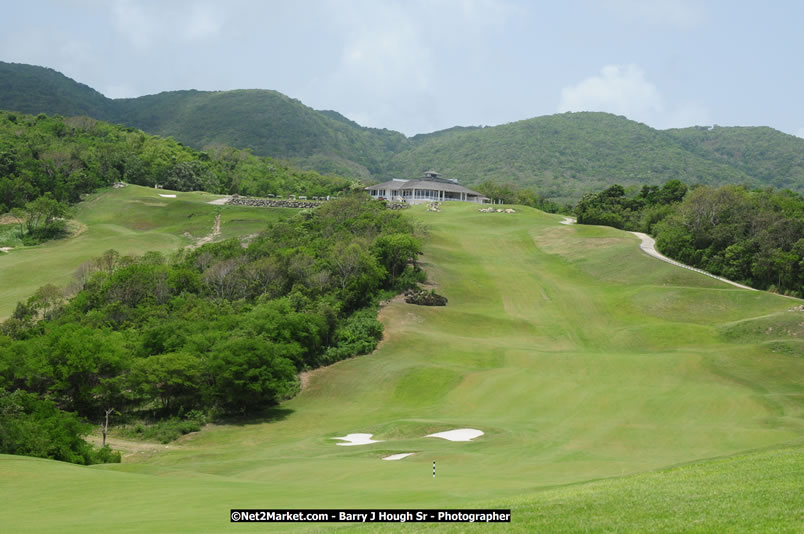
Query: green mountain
x=563, y=156
x=772, y=157
x=268, y=123
x=30, y=89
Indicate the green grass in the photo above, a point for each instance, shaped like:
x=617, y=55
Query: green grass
x=580, y=357
x=757, y=492
x=131, y=220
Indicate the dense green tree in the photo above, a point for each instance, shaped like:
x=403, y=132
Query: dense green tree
x=395, y=251
x=175, y=379
x=31, y=426
x=250, y=373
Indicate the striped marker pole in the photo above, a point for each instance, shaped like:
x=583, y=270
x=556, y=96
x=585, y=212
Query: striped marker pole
x=433, y=468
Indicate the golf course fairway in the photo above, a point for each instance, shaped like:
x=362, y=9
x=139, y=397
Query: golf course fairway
x=579, y=357
x=132, y=220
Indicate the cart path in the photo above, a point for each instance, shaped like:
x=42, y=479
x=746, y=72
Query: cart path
x=648, y=245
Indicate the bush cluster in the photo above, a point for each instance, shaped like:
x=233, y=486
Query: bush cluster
x=221, y=329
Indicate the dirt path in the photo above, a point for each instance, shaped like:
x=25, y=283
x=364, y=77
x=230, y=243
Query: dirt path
x=216, y=231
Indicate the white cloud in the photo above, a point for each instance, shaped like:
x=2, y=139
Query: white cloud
x=680, y=14
x=620, y=89
x=397, y=61
x=135, y=25
x=143, y=23
x=203, y=21
x=624, y=90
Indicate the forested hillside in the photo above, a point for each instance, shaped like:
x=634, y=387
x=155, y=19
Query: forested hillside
x=60, y=159
x=31, y=89
x=267, y=122
x=772, y=157
x=562, y=156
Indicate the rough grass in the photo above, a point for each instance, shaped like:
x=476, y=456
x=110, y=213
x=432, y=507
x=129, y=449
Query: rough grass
x=131, y=220
x=579, y=361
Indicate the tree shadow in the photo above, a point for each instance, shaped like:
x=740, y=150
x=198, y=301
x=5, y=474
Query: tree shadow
x=267, y=415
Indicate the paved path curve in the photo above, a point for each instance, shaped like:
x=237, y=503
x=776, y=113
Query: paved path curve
x=648, y=246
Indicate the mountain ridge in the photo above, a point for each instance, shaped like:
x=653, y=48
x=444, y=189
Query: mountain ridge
x=563, y=155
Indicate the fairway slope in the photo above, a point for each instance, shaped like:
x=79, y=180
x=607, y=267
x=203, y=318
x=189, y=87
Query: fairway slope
x=132, y=220
x=579, y=358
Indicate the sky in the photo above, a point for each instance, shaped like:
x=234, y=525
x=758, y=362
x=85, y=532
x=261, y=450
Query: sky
x=418, y=66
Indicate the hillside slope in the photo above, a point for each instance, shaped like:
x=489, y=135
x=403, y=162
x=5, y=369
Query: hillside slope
x=267, y=122
x=563, y=156
x=31, y=89
x=770, y=156
x=578, y=356
x=132, y=220
x=566, y=155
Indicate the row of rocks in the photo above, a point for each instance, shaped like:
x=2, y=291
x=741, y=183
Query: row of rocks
x=397, y=205
x=424, y=298
x=271, y=202
x=797, y=308
x=498, y=210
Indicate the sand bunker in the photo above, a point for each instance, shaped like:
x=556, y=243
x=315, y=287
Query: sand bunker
x=219, y=201
x=568, y=220
x=398, y=456
x=357, y=439
x=167, y=196
x=461, y=434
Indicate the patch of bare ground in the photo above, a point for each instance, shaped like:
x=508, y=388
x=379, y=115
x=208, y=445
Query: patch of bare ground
x=9, y=219
x=132, y=449
x=216, y=231
x=76, y=228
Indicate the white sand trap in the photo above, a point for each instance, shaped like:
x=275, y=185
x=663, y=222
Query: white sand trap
x=167, y=196
x=568, y=220
x=461, y=434
x=397, y=456
x=219, y=201
x=357, y=439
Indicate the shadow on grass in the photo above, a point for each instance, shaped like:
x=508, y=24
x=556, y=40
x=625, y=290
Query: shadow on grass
x=268, y=415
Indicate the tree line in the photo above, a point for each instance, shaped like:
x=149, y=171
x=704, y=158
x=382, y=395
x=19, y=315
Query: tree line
x=222, y=329
x=752, y=236
x=60, y=160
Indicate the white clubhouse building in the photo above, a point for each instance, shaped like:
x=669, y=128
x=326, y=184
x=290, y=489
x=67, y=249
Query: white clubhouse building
x=430, y=188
